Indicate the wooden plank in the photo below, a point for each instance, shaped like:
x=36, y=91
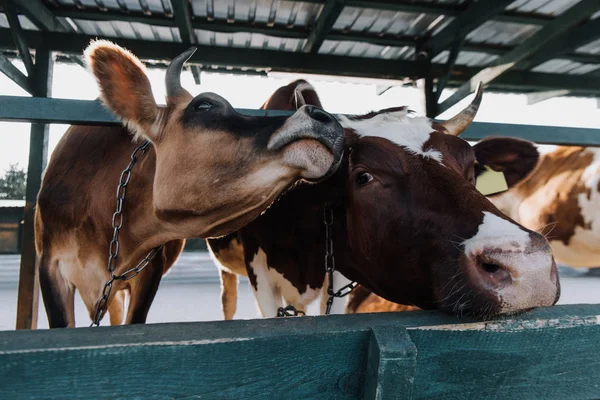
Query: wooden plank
x=550, y=362
x=295, y=358
x=28, y=291
x=391, y=364
x=86, y=112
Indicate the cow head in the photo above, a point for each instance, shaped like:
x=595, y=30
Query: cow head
x=419, y=232
x=212, y=163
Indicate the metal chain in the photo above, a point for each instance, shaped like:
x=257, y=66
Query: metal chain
x=113, y=248
x=330, y=262
x=289, y=311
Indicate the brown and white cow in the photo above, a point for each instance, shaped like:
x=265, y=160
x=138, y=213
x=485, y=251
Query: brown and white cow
x=208, y=172
x=560, y=197
x=409, y=225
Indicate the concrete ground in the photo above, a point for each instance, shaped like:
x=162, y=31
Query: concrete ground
x=191, y=293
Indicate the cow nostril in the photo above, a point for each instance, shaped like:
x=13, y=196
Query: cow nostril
x=490, y=268
x=319, y=115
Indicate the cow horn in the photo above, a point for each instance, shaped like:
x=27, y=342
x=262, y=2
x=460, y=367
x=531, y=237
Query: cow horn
x=299, y=98
x=173, y=78
x=457, y=124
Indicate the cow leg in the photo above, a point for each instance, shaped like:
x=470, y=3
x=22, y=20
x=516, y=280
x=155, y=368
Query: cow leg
x=339, y=304
x=58, y=294
x=143, y=288
x=266, y=292
x=229, y=293
x=116, y=307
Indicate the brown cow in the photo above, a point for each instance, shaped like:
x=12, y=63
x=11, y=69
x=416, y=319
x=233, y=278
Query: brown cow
x=409, y=225
x=561, y=198
x=208, y=172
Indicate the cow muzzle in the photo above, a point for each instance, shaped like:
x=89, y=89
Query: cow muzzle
x=512, y=272
x=312, y=140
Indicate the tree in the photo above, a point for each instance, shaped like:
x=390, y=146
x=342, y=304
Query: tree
x=12, y=184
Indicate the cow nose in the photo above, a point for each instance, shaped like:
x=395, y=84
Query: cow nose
x=519, y=275
x=319, y=115
x=492, y=274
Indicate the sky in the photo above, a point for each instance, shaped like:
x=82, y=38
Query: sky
x=338, y=95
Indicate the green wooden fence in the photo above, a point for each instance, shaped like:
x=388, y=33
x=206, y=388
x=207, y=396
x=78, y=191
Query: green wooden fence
x=551, y=353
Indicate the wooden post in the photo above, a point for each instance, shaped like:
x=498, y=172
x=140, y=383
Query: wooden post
x=28, y=292
x=391, y=364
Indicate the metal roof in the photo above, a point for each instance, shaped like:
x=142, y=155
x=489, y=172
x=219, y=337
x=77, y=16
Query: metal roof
x=373, y=30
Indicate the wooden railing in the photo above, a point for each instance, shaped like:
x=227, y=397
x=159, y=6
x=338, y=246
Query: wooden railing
x=551, y=353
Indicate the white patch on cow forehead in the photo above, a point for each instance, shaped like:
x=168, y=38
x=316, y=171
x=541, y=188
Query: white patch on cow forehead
x=498, y=233
x=409, y=133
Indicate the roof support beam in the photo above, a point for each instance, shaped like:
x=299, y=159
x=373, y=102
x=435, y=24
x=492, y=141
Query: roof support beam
x=437, y=9
x=477, y=13
x=310, y=63
x=183, y=18
x=329, y=14
x=17, y=34
x=287, y=32
x=569, y=41
x=574, y=15
x=40, y=15
x=13, y=73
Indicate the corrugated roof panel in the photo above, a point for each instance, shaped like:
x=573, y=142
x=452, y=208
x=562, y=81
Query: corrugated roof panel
x=289, y=13
x=590, y=48
x=544, y=7
x=468, y=58
x=502, y=33
x=562, y=66
x=374, y=21
x=128, y=30
x=367, y=50
x=23, y=20
x=248, y=40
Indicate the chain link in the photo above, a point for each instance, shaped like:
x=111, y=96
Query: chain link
x=113, y=248
x=289, y=311
x=330, y=262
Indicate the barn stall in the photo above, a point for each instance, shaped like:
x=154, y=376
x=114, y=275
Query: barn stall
x=542, y=48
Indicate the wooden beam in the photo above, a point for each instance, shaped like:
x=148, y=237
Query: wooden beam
x=573, y=16
x=538, y=354
x=391, y=364
x=17, y=34
x=14, y=74
x=28, y=291
x=40, y=15
x=183, y=19
x=329, y=14
x=88, y=112
x=475, y=15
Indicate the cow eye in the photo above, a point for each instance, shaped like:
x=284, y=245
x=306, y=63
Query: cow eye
x=363, y=178
x=204, y=106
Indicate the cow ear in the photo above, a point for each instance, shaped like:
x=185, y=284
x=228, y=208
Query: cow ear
x=516, y=158
x=124, y=85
